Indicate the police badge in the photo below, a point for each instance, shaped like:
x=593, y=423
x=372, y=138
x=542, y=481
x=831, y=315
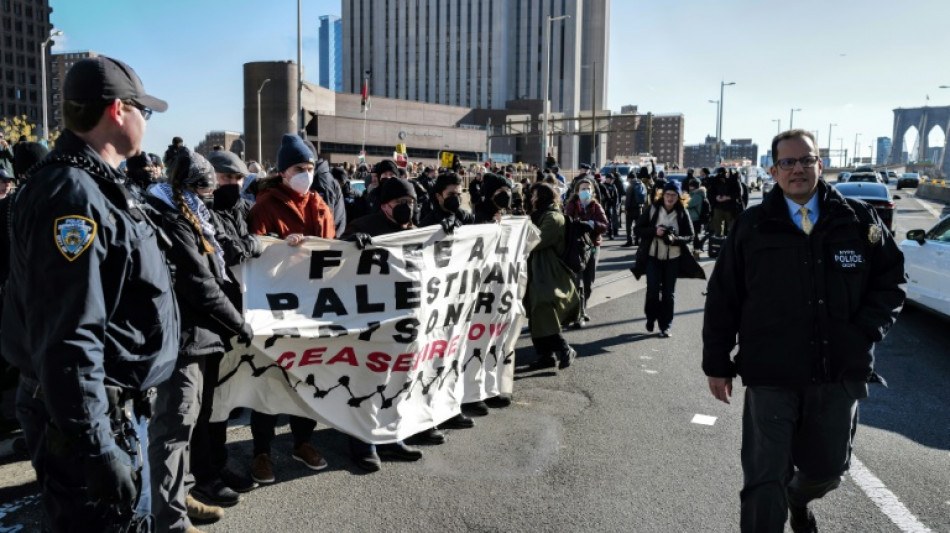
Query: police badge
x=874, y=234
x=73, y=235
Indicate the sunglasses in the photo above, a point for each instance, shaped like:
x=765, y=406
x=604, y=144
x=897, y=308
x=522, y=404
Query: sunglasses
x=146, y=112
x=788, y=163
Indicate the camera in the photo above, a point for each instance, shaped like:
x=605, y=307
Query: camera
x=668, y=234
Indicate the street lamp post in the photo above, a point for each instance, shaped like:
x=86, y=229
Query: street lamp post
x=829, y=141
x=791, y=117
x=779, y=129
x=45, y=136
x=300, y=122
x=547, y=83
x=854, y=156
x=722, y=92
x=841, y=161
x=260, y=152
x=717, y=117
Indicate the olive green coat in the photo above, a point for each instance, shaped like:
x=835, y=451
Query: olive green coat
x=552, y=299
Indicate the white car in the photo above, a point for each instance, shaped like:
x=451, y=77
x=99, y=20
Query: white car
x=927, y=264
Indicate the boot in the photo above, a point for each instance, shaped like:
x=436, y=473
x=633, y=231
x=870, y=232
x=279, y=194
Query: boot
x=566, y=357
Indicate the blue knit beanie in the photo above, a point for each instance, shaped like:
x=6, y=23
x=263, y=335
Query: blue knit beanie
x=292, y=151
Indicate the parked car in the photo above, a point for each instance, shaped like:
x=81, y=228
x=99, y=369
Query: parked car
x=864, y=177
x=889, y=175
x=927, y=264
x=875, y=194
x=623, y=170
x=768, y=183
x=755, y=176
x=908, y=179
x=843, y=177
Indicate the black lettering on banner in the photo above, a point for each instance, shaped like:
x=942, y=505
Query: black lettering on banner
x=453, y=313
x=412, y=254
x=432, y=288
x=367, y=334
x=463, y=283
x=476, y=279
x=502, y=248
x=433, y=320
x=328, y=301
x=443, y=253
x=282, y=301
x=495, y=275
x=368, y=258
x=506, y=298
x=407, y=295
x=363, y=304
x=485, y=300
x=409, y=327
x=449, y=278
x=478, y=250
x=513, y=272
x=320, y=260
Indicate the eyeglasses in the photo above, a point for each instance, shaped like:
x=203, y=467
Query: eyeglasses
x=788, y=163
x=146, y=112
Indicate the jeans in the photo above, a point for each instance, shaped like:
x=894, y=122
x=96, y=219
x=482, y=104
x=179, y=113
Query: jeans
x=810, y=428
x=60, y=473
x=661, y=287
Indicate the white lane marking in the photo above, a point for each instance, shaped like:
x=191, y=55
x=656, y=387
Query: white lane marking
x=886, y=501
x=649, y=371
x=645, y=357
x=929, y=208
x=704, y=420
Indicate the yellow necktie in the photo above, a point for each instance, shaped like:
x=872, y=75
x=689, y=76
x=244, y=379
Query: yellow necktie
x=806, y=222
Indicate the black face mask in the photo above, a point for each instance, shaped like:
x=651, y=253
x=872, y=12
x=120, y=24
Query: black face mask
x=207, y=199
x=402, y=214
x=502, y=200
x=227, y=196
x=452, y=203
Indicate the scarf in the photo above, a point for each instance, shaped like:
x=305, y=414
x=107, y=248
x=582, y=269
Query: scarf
x=164, y=192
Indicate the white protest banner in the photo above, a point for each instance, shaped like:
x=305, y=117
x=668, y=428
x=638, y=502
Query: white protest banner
x=385, y=342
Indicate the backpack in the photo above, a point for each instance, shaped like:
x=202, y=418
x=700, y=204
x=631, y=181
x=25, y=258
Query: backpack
x=578, y=245
x=639, y=192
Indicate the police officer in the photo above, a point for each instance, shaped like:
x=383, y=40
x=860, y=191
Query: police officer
x=809, y=281
x=91, y=321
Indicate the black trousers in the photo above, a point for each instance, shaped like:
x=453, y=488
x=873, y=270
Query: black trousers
x=550, y=345
x=796, y=445
x=263, y=430
x=661, y=291
x=209, y=451
x=631, y=218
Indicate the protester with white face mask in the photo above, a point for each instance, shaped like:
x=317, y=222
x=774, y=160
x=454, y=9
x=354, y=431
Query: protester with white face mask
x=288, y=209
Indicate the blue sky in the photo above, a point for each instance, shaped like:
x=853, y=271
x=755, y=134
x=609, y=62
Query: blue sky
x=849, y=62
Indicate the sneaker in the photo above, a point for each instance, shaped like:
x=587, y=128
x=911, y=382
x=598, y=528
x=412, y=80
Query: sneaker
x=545, y=361
x=458, y=421
x=475, y=408
x=237, y=482
x=566, y=357
x=585, y=317
x=400, y=451
x=498, y=402
x=430, y=436
x=579, y=324
x=364, y=455
x=215, y=493
x=666, y=333
x=309, y=456
x=202, y=513
x=262, y=468
x=802, y=520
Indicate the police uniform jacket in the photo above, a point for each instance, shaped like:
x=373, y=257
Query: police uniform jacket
x=207, y=313
x=806, y=308
x=88, y=300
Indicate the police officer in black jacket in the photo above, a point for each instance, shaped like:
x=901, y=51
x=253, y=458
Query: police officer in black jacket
x=90, y=319
x=809, y=281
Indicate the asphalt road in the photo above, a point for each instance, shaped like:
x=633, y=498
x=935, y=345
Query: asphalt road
x=610, y=444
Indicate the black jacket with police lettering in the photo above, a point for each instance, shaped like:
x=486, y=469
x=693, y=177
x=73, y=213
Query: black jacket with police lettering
x=88, y=301
x=207, y=314
x=806, y=308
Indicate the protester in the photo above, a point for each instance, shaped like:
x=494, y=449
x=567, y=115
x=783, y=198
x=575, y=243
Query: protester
x=496, y=191
x=207, y=315
x=288, y=209
x=665, y=230
x=725, y=196
x=808, y=282
x=551, y=298
x=584, y=206
x=89, y=315
x=25, y=155
x=634, y=200
x=697, y=197
x=447, y=211
x=172, y=151
x=138, y=171
x=328, y=189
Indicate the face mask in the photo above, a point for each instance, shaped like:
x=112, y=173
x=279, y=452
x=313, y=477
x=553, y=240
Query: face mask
x=226, y=196
x=502, y=200
x=584, y=196
x=207, y=199
x=402, y=214
x=452, y=204
x=301, y=182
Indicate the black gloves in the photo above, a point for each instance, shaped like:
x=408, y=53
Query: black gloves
x=110, y=477
x=246, y=335
x=252, y=243
x=361, y=240
x=448, y=225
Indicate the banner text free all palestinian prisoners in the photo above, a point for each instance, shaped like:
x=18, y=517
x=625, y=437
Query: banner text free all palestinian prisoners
x=385, y=342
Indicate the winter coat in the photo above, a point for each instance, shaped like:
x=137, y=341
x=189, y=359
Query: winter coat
x=636, y=196
x=372, y=225
x=726, y=187
x=593, y=212
x=329, y=190
x=280, y=211
x=207, y=314
x=551, y=298
x=695, y=204
x=646, y=231
x=806, y=308
x=437, y=215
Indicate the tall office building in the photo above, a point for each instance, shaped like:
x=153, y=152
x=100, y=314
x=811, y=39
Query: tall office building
x=883, y=150
x=59, y=66
x=331, y=52
x=24, y=26
x=481, y=54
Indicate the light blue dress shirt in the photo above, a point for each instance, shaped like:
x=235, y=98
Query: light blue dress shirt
x=812, y=206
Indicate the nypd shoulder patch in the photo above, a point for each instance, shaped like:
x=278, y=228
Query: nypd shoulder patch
x=73, y=235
